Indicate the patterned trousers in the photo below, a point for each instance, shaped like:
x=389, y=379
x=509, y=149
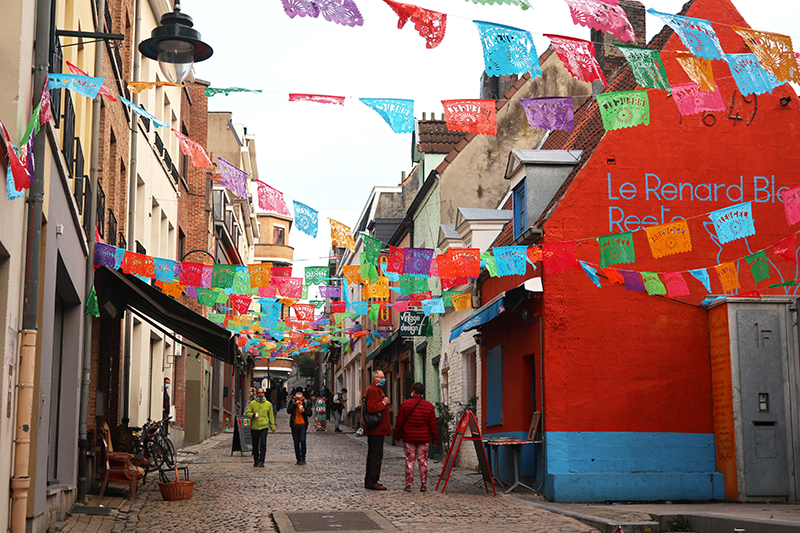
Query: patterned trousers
x=416, y=453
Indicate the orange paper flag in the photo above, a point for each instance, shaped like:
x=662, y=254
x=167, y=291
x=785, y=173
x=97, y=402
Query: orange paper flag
x=614, y=275
x=342, y=236
x=352, y=273
x=698, y=69
x=668, y=239
x=260, y=274
x=774, y=52
x=727, y=275
x=462, y=301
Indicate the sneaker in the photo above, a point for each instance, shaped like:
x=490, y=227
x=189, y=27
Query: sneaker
x=423, y=488
x=408, y=488
x=338, y=430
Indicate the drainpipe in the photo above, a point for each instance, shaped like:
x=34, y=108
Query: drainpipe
x=21, y=481
x=541, y=388
x=83, y=444
x=134, y=144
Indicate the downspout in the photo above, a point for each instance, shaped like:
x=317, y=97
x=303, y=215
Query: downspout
x=541, y=390
x=83, y=444
x=134, y=144
x=21, y=481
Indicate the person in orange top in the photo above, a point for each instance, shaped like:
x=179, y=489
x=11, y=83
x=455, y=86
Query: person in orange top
x=376, y=401
x=299, y=409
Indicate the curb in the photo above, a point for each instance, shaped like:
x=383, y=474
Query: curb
x=605, y=526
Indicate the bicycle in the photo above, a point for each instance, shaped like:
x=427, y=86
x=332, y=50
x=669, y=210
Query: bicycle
x=150, y=443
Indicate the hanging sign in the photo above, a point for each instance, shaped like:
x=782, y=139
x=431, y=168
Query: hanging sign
x=412, y=324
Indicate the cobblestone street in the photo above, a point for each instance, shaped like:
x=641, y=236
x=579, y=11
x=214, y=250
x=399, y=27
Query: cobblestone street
x=231, y=495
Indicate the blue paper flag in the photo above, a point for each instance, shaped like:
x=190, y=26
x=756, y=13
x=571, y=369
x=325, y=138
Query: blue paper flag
x=592, y=273
x=305, y=219
x=346, y=296
x=11, y=189
x=84, y=85
x=507, y=50
x=734, y=222
x=164, y=269
x=510, y=260
x=697, y=35
x=433, y=306
x=142, y=113
x=119, y=255
x=272, y=312
x=749, y=75
x=361, y=308
x=701, y=275
x=711, y=299
x=276, y=334
x=399, y=114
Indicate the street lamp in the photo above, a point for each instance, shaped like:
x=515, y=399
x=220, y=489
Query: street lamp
x=175, y=45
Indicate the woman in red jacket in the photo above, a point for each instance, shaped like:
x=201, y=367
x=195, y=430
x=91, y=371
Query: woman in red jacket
x=416, y=427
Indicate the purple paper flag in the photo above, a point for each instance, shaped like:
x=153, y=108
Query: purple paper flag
x=104, y=255
x=330, y=291
x=633, y=281
x=551, y=113
x=233, y=178
x=417, y=261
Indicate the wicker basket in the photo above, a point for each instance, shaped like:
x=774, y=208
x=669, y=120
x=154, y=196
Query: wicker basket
x=176, y=490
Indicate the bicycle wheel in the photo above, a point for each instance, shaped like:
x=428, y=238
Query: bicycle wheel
x=155, y=454
x=169, y=451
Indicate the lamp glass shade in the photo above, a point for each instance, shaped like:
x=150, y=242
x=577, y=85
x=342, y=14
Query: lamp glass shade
x=175, y=58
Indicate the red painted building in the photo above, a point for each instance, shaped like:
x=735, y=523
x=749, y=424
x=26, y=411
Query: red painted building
x=624, y=379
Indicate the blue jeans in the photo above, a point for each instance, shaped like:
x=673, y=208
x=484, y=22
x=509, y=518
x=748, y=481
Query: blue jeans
x=299, y=436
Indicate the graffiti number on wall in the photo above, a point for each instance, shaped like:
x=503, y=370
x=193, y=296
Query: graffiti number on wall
x=737, y=117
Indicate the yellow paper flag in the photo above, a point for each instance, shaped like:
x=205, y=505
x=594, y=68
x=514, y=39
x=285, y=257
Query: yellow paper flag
x=173, y=288
x=260, y=274
x=727, y=275
x=342, y=236
x=352, y=273
x=699, y=70
x=462, y=301
x=668, y=239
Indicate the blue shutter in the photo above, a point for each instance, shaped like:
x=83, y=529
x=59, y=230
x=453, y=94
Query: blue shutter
x=494, y=386
x=520, y=214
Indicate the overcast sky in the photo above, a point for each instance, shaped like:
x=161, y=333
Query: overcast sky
x=329, y=157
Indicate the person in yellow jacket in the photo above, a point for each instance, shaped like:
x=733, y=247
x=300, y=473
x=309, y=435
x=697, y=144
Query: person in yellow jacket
x=262, y=419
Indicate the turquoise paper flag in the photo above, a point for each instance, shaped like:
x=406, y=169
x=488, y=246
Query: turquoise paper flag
x=592, y=273
x=433, y=306
x=701, y=275
x=510, y=260
x=164, y=269
x=507, y=50
x=749, y=75
x=697, y=35
x=84, y=85
x=399, y=114
x=306, y=219
x=360, y=308
x=734, y=222
x=142, y=113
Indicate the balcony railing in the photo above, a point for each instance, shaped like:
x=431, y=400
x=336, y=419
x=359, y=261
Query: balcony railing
x=78, y=170
x=122, y=242
x=101, y=211
x=68, y=141
x=112, y=228
x=167, y=159
x=159, y=144
x=55, y=94
x=140, y=249
x=176, y=176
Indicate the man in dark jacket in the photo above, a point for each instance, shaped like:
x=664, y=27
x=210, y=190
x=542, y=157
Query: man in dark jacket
x=299, y=409
x=376, y=402
x=416, y=427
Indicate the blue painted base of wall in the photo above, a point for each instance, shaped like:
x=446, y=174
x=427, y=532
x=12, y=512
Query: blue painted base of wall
x=613, y=466
x=638, y=486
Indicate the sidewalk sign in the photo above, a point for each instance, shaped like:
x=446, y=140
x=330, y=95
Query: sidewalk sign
x=467, y=421
x=242, y=439
x=319, y=414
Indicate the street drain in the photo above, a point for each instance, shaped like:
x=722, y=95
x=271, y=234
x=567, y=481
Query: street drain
x=331, y=521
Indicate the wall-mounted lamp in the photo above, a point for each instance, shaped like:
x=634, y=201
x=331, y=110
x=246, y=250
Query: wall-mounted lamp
x=175, y=45
x=785, y=100
x=478, y=339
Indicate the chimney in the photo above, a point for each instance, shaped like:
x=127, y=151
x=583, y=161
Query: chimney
x=494, y=87
x=609, y=56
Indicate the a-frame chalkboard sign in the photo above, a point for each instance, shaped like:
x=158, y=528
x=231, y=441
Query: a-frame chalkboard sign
x=467, y=421
x=242, y=439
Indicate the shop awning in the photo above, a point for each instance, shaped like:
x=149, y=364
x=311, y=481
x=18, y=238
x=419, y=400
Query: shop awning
x=117, y=291
x=505, y=301
x=383, y=345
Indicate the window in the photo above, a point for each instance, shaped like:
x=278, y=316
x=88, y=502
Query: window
x=277, y=235
x=494, y=386
x=520, y=215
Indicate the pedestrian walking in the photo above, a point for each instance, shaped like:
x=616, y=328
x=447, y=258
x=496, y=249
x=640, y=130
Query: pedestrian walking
x=326, y=393
x=299, y=409
x=339, y=401
x=416, y=427
x=262, y=419
x=377, y=402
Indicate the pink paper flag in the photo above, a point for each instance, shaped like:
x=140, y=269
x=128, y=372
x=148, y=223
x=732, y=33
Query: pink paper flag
x=270, y=199
x=791, y=205
x=103, y=89
x=787, y=249
x=319, y=98
x=267, y=292
x=691, y=99
x=191, y=274
x=289, y=287
x=604, y=15
x=560, y=256
x=400, y=306
x=676, y=285
x=195, y=151
x=578, y=57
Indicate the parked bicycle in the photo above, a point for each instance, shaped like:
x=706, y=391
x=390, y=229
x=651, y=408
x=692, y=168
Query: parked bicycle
x=151, y=441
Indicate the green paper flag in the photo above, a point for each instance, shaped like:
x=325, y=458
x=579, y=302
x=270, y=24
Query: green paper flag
x=487, y=260
x=374, y=310
x=206, y=297
x=304, y=294
x=784, y=284
x=447, y=296
x=317, y=303
x=211, y=91
x=616, y=249
x=241, y=284
x=624, y=109
x=222, y=297
x=223, y=276
x=218, y=318
x=92, y=307
x=759, y=265
x=412, y=284
x=652, y=284
x=646, y=66
x=315, y=275
x=368, y=270
x=372, y=248
x=524, y=4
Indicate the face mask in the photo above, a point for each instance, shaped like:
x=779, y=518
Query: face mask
x=298, y=395
x=261, y=399
x=166, y=385
x=382, y=382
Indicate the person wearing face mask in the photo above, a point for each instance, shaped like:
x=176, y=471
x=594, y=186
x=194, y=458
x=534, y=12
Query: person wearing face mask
x=416, y=427
x=259, y=411
x=376, y=401
x=165, y=410
x=299, y=409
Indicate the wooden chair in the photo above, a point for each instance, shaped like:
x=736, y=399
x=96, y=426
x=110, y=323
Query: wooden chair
x=120, y=467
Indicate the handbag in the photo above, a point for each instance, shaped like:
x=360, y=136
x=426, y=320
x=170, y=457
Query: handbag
x=371, y=420
x=411, y=413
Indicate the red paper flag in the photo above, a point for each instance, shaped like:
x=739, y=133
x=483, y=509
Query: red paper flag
x=430, y=24
x=560, y=256
x=787, y=249
x=240, y=302
x=304, y=311
x=396, y=259
x=466, y=262
x=281, y=272
x=22, y=179
x=195, y=151
x=338, y=307
x=191, y=274
x=577, y=56
x=472, y=116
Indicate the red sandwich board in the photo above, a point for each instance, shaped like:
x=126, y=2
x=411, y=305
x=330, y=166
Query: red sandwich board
x=467, y=421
